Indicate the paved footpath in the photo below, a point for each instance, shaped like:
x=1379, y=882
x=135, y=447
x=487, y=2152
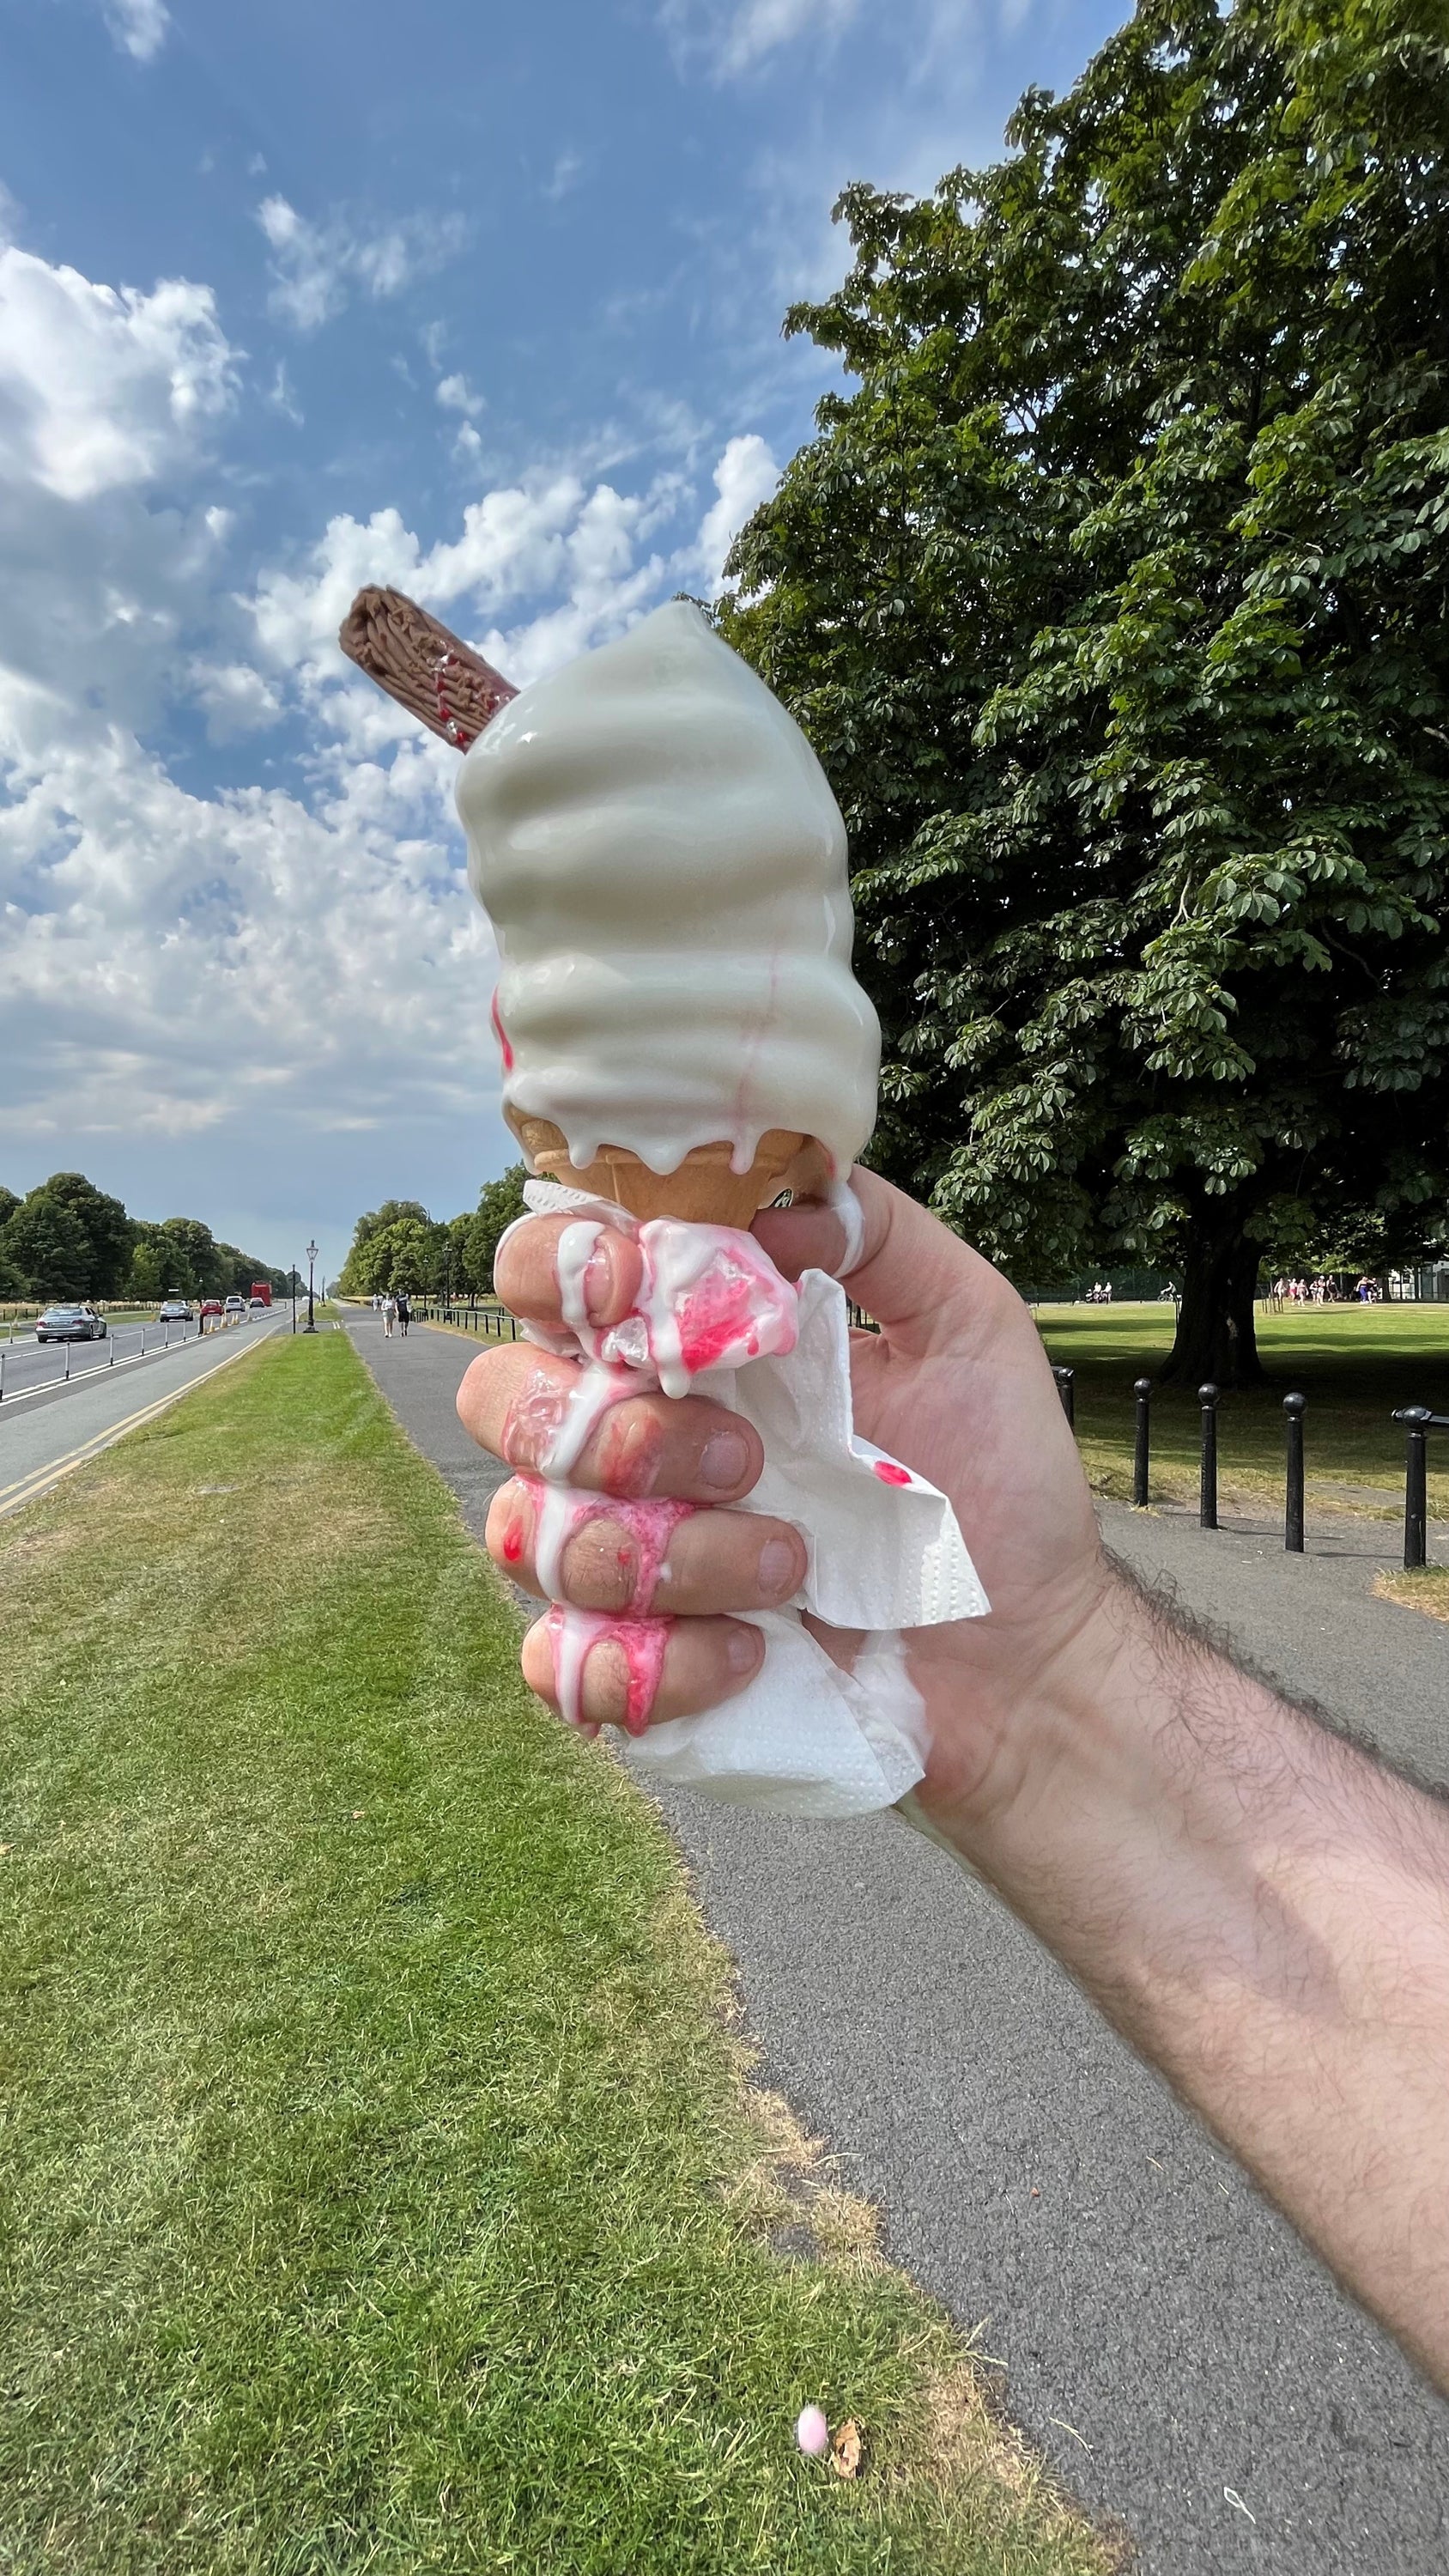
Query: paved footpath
x=1159, y=2332
x=44, y=1436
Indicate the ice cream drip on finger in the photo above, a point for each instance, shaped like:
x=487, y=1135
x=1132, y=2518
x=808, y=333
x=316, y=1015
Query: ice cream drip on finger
x=560, y=1513
x=573, y=1635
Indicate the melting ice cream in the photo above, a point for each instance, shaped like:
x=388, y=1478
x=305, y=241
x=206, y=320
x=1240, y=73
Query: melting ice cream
x=664, y=866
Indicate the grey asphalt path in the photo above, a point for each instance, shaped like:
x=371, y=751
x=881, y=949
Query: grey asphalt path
x=1185, y=2364
x=68, y=1423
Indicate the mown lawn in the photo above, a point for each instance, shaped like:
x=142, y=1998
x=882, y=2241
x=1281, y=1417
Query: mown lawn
x=1354, y=1364
x=380, y=2185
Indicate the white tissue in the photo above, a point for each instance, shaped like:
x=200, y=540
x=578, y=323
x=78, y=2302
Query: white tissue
x=807, y=1739
x=881, y=1555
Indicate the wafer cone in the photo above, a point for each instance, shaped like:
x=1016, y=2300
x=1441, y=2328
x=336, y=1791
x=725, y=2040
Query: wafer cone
x=703, y=1190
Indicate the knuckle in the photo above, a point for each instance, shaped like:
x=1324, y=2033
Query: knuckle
x=627, y=1449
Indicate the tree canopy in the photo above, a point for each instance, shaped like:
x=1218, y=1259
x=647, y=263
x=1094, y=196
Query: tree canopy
x=69, y=1239
x=400, y=1246
x=1114, y=602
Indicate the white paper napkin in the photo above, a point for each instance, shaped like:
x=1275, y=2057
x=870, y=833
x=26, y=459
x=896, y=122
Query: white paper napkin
x=807, y=1739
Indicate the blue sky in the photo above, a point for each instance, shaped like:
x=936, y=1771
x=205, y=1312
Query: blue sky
x=482, y=302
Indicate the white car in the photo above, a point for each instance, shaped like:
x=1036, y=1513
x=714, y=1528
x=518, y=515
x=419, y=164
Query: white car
x=235, y=1307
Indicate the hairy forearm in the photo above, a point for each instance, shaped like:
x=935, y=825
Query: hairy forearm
x=1264, y=1911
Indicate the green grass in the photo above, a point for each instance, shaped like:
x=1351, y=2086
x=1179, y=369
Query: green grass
x=1426, y=1590
x=380, y=2184
x=1354, y=1364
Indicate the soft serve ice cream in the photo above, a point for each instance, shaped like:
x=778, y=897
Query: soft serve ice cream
x=664, y=866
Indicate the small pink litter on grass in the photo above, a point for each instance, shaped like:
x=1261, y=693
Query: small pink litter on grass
x=812, y=2433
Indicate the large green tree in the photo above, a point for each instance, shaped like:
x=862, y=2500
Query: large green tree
x=109, y=1232
x=355, y=1279
x=1114, y=599
x=48, y=1246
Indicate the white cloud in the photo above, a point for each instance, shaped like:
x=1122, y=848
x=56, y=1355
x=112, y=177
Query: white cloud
x=102, y=387
x=315, y=267
x=735, y=35
x=564, y=178
x=453, y=394
x=299, y=954
x=745, y=476
x=235, y=697
x=138, y=26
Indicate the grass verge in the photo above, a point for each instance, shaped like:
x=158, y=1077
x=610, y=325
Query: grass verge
x=1354, y=1364
x=1426, y=1590
x=382, y=2188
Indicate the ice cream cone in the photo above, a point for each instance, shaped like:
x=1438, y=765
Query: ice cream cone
x=703, y=1190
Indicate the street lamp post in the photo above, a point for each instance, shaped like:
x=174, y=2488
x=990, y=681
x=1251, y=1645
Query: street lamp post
x=311, y=1265
x=294, y=1296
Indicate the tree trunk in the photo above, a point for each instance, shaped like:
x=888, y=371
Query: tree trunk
x=1216, y=1334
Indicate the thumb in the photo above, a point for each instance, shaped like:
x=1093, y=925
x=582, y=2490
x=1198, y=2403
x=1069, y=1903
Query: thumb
x=926, y=1287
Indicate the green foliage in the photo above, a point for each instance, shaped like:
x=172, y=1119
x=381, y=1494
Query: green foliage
x=45, y=1242
x=356, y=1278
x=108, y=1231
x=407, y=1254
x=148, y=1281
x=399, y=1246
x=1113, y=601
x=500, y=1204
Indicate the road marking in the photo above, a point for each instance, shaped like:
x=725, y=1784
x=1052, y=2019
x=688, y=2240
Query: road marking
x=28, y=1489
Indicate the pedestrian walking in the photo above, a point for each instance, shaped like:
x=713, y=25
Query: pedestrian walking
x=404, y=1313
x=389, y=1313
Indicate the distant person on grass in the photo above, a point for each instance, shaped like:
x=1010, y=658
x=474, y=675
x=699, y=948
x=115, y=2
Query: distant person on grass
x=1261, y=1907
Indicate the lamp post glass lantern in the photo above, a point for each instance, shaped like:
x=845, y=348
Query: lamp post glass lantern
x=311, y=1266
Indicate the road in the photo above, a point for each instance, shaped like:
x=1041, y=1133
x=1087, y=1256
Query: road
x=26, y=1363
x=1157, y=2330
x=48, y=1432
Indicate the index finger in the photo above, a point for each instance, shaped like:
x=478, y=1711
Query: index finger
x=606, y=1272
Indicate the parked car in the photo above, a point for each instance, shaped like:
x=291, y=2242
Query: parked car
x=174, y=1310
x=70, y=1324
x=236, y=1306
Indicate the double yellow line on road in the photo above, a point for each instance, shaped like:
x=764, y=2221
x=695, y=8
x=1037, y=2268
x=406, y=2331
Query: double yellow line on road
x=28, y=1489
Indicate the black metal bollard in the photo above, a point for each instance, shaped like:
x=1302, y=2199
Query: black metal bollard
x=1416, y=1419
x=1294, y=1407
x=1207, y=1490
x=1141, y=1448
x=1067, y=1389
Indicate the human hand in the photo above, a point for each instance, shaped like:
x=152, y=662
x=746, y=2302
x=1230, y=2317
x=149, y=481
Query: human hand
x=956, y=1384
x=643, y=1535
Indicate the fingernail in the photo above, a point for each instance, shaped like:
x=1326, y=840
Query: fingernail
x=725, y=1461
x=776, y=1573
x=742, y=1650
